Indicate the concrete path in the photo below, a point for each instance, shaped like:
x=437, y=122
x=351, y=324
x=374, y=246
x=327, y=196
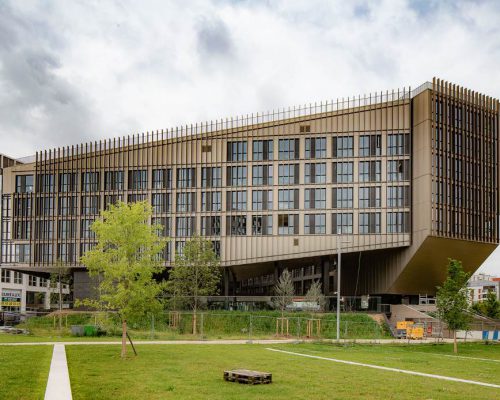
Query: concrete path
x=239, y=341
x=58, y=385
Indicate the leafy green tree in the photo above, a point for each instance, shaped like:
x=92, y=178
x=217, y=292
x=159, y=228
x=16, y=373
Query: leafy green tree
x=195, y=273
x=284, y=292
x=60, y=275
x=453, y=300
x=490, y=307
x=315, y=295
x=125, y=261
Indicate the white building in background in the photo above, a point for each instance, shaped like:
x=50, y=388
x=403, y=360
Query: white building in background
x=480, y=284
x=24, y=293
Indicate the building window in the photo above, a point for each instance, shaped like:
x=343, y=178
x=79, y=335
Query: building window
x=342, y=172
x=398, y=222
x=236, y=200
x=32, y=281
x=67, y=182
x=370, y=145
x=45, y=183
x=90, y=205
x=44, y=254
x=186, y=202
x=45, y=205
x=343, y=146
x=24, y=183
x=236, y=151
x=22, y=207
x=67, y=229
x=288, y=199
x=5, y=275
x=162, y=224
x=211, y=177
x=288, y=224
x=398, y=196
x=86, y=232
x=369, y=223
x=262, y=225
x=162, y=178
x=65, y=253
x=314, y=224
x=45, y=229
x=262, y=200
x=18, y=276
x=113, y=180
x=216, y=247
x=315, y=198
x=342, y=197
x=342, y=223
x=210, y=226
x=369, y=197
x=112, y=199
x=23, y=254
x=262, y=150
x=67, y=206
x=22, y=229
x=90, y=182
x=186, y=177
x=288, y=174
x=211, y=201
x=398, y=144
x=370, y=171
x=138, y=179
x=398, y=170
x=184, y=226
x=236, y=225
x=262, y=175
x=84, y=247
x=160, y=202
x=136, y=197
x=288, y=149
x=236, y=176
x=315, y=173
x=315, y=148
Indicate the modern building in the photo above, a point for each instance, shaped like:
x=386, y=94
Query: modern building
x=396, y=181
x=481, y=284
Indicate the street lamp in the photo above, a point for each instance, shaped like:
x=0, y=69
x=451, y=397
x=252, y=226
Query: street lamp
x=339, y=267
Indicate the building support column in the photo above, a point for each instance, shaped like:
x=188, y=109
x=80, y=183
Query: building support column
x=325, y=275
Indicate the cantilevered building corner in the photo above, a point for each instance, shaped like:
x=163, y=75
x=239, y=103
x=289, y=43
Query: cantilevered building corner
x=400, y=180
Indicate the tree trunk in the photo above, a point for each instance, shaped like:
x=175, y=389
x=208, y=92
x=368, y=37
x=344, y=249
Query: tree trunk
x=455, y=348
x=124, y=338
x=194, y=322
x=60, y=304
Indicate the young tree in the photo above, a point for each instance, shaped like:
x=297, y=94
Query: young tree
x=315, y=295
x=125, y=260
x=195, y=273
x=283, y=292
x=490, y=307
x=61, y=274
x=453, y=300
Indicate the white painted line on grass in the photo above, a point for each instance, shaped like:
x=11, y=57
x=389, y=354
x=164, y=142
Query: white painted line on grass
x=403, y=371
x=469, y=358
x=58, y=384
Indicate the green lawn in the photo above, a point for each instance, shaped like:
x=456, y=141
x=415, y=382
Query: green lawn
x=195, y=372
x=24, y=371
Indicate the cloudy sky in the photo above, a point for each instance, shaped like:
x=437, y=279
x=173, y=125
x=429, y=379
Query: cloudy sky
x=73, y=71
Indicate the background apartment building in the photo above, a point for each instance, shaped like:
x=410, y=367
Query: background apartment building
x=398, y=182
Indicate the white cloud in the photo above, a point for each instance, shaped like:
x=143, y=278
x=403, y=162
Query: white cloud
x=78, y=71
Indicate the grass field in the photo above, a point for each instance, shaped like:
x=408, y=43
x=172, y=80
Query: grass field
x=24, y=371
x=195, y=372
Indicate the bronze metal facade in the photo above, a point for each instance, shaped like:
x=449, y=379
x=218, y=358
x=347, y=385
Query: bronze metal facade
x=280, y=189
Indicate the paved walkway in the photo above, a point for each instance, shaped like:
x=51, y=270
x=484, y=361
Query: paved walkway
x=58, y=385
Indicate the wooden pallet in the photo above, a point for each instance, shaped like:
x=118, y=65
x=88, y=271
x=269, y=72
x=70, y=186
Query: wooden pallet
x=248, y=377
